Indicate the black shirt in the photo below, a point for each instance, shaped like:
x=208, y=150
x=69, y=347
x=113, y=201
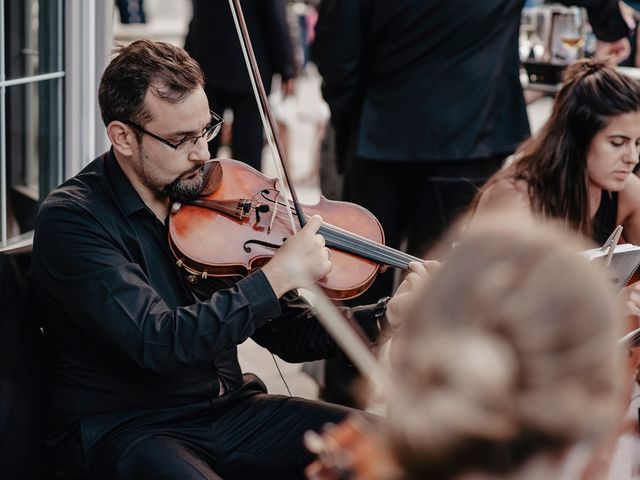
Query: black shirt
x=123, y=331
x=604, y=221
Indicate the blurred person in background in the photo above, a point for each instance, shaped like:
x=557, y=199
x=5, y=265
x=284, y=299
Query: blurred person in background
x=213, y=42
x=426, y=102
x=509, y=366
x=131, y=11
x=505, y=366
x=630, y=58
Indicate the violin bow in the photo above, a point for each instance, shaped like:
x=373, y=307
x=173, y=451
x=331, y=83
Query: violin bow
x=268, y=122
x=351, y=344
x=327, y=313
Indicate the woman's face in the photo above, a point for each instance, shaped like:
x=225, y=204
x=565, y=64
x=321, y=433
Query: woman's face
x=614, y=152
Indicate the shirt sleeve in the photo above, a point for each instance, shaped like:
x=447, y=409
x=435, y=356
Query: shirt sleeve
x=109, y=297
x=605, y=18
x=297, y=335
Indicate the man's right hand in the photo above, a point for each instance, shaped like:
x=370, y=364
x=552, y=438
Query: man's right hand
x=302, y=259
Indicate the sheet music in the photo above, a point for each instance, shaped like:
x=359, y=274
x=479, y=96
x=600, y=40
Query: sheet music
x=624, y=261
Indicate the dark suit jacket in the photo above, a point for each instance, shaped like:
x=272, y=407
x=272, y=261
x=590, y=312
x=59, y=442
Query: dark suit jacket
x=212, y=40
x=430, y=79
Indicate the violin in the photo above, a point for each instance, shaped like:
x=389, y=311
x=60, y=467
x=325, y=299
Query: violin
x=243, y=214
x=351, y=450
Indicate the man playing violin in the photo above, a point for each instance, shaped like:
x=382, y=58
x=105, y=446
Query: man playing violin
x=143, y=379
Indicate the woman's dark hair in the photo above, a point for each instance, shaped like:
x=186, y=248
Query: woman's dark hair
x=167, y=70
x=553, y=163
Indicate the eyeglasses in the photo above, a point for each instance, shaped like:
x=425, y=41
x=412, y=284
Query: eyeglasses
x=210, y=131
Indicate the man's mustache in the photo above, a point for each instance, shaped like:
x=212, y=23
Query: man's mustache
x=199, y=168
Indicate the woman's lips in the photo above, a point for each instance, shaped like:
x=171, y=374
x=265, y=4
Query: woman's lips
x=622, y=174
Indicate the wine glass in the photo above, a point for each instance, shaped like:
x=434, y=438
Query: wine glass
x=571, y=35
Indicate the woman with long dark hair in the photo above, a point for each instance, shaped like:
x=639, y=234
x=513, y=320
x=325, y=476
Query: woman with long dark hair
x=579, y=167
x=581, y=162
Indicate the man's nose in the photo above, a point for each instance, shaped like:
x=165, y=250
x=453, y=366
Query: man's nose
x=200, y=151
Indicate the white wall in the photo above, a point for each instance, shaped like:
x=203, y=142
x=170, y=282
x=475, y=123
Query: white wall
x=88, y=40
x=167, y=20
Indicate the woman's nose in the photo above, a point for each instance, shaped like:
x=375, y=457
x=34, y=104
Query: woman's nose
x=634, y=154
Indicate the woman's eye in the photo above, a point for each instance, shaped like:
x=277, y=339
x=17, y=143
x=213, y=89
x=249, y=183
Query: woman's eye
x=617, y=143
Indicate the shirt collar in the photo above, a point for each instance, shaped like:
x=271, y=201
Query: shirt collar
x=126, y=196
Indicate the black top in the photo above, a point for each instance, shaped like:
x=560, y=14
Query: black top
x=123, y=331
x=604, y=221
x=430, y=80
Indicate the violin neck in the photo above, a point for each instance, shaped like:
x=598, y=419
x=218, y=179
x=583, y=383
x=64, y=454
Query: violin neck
x=362, y=247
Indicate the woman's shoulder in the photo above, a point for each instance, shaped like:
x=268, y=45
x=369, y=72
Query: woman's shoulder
x=505, y=193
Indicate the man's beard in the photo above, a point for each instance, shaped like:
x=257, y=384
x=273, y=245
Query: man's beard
x=181, y=190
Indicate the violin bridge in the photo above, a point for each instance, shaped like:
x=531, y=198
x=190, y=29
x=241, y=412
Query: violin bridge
x=273, y=215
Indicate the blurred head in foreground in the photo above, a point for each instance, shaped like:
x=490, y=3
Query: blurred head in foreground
x=509, y=357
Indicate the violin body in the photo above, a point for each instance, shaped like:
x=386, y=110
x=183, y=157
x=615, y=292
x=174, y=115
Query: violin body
x=240, y=220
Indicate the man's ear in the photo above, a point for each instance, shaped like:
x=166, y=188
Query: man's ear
x=122, y=138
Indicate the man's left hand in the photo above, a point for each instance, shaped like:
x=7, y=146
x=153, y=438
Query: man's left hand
x=408, y=291
x=613, y=52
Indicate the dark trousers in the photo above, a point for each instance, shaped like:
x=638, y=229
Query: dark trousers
x=247, y=131
x=415, y=202
x=244, y=434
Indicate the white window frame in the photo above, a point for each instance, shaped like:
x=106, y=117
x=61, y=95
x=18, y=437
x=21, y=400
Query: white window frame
x=88, y=42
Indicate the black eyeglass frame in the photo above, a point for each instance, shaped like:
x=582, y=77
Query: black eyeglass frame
x=214, y=126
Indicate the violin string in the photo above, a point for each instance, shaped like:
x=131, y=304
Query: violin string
x=360, y=249
x=347, y=245
x=378, y=247
x=346, y=238
x=361, y=246
x=358, y=245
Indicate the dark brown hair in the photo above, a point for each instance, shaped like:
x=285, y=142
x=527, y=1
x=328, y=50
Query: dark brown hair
x=553, y=163
x=167, y=70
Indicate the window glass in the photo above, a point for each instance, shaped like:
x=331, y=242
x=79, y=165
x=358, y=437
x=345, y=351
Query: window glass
x=31, y=113
x=32, y=37
x=33, y=149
